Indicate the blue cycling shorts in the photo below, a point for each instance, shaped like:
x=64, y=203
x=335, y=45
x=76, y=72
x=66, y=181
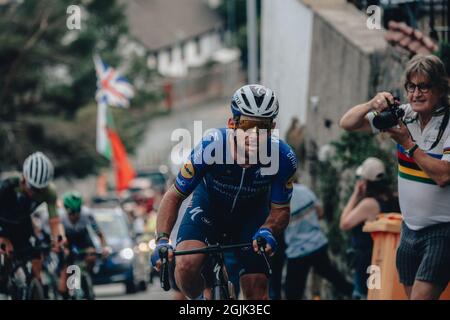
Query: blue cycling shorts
x=204, y=221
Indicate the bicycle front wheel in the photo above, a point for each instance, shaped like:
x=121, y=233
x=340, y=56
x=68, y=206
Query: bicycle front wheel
x=221, y=293
x=35, y=290
x=87, y=287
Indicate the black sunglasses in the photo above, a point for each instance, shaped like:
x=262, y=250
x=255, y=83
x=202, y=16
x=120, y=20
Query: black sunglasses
x=423, y=87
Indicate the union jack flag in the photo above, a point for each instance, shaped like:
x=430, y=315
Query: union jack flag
x=112, y=88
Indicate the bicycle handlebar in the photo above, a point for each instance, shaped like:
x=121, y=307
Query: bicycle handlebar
x=164, y=256
x=212, y=249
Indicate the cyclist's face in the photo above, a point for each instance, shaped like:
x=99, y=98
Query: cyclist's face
x=251, y=132
x=74, y=216
x=29, y=190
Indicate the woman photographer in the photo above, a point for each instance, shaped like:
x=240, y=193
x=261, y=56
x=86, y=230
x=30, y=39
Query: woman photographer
x=423, y=142
x=371, y=196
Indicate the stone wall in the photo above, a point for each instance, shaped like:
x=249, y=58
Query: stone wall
x=344, y=71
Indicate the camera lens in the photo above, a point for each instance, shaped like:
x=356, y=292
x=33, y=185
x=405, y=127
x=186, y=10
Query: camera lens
x=385, y=120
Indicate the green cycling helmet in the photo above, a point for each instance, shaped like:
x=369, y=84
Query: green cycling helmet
x=73, y=201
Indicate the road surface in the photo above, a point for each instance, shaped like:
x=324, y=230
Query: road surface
x=156, y=146
x=117, y=292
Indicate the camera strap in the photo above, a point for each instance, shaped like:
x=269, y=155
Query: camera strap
x=442, y=128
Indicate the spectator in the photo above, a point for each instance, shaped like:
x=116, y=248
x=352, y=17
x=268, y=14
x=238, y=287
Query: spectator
x=423, y=138
x=371, y=196
x=307, y=246
x=295, y=138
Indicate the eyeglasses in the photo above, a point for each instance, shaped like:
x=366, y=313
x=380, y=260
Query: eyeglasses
x=423, y=87
x=246, y=124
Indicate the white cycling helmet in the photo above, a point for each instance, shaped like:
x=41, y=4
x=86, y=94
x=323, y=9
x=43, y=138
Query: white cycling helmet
x=38, y=170
x=255, y=100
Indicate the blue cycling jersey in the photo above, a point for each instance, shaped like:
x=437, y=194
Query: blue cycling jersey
x=230, y=185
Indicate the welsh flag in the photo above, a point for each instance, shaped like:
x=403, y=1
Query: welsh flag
x=112, y=90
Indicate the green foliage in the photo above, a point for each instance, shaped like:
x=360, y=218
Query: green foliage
x=335, y=187
x=45, y=66
x=48, y=76
x=236, y=10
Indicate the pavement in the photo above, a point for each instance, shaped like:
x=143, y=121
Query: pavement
x=117, y=292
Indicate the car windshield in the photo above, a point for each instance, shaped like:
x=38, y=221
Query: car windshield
x=112, y=225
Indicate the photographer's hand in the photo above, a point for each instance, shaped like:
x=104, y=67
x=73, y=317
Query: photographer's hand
x=381, y=101
x=401, y=135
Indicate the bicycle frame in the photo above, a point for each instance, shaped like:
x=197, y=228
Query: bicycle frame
x=85, y=291
x=222, y=287
x=18, y=275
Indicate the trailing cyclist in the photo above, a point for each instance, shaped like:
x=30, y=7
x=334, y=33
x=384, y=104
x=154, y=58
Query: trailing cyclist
x=78, y=225
x=19, y=198
x=235, y=199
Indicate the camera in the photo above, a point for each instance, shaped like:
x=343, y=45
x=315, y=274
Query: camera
x=389, y=118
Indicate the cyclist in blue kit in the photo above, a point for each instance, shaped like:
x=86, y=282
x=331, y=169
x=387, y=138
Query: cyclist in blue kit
x=238, y=194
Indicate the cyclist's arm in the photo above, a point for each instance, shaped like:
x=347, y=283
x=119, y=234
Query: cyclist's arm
x=278, y=219
x=54, y=220
x=168, y=210
x=281, y=193
x=97, y=230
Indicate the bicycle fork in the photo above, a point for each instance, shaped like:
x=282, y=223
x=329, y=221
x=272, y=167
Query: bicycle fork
x=223, y=288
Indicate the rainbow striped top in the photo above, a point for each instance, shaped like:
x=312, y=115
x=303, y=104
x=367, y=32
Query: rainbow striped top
x=408, y=169
x=422, y=202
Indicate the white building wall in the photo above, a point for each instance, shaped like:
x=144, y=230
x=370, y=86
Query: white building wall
x=163, y=62
x=205, y=47
x=172, y=63
x=178, y=67
x=285, y=56
x=191, y=51
x=216, y=43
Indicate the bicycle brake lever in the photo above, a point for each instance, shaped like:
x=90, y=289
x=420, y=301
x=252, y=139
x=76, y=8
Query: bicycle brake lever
x=164, y=271
x=261, y=242
x=2, y=257
x=269, y=269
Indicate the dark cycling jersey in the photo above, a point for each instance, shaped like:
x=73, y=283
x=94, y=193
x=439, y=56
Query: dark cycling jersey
x=17, y=207
x=230, y=184
x=77, y=234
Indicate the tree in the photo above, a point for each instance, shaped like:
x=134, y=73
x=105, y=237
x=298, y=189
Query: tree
x=336, y=176
x=48, y=76
x=236, y=14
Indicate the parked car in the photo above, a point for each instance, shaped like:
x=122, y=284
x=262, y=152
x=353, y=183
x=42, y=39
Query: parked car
x=126, y=264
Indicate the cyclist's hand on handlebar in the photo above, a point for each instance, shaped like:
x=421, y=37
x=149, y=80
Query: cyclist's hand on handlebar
x=106, y=251
x=58, y=243
x=155, y=259
x=6, y=246
x=269, y=239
